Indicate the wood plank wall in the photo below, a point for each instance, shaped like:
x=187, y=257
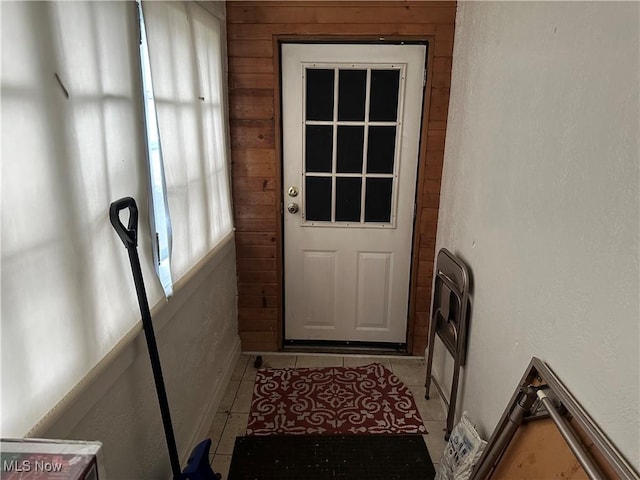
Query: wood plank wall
x=253, y=29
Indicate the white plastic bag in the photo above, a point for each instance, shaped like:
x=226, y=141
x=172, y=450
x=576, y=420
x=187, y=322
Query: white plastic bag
x=462, y=452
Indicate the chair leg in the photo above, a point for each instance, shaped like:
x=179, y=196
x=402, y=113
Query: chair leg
x=432, y=337
x=454, y=397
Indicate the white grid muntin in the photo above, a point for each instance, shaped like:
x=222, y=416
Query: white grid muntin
x=366, y=123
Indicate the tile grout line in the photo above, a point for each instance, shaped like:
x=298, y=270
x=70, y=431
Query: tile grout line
x=215, y=452
x=228, y=413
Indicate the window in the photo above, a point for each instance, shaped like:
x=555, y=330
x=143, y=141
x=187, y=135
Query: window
x=187, y=64
x=72, y=142
x=351, y=143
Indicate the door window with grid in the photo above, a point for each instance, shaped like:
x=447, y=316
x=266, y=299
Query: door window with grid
x=352, y=131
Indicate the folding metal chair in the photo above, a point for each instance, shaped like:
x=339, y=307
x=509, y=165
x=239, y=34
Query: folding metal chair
x=449, y=320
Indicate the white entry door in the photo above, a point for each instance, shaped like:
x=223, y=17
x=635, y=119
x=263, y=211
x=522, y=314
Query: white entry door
x=351, y=128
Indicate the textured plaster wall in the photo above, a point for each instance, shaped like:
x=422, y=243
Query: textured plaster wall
x=540, y=198
x=198, y=346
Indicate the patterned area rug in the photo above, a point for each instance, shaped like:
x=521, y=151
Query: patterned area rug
x=333, y=400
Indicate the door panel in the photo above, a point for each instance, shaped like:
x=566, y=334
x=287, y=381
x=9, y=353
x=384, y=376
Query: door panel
x=318, y=287
x=374, y=290
x=351, y=123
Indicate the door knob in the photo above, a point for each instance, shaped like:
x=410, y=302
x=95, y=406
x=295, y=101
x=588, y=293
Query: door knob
x=293, y=192
x=292, y=208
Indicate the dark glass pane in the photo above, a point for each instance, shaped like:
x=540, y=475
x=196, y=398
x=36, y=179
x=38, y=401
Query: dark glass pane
x=348, y=199
x=350, y=143
x=352, y=89
x=318, y=198
x=377, y=204
x=319, y=148
x=320, y=94
x=383, y=106
x=381, y=149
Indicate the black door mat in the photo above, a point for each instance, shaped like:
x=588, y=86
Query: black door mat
x=320, y=457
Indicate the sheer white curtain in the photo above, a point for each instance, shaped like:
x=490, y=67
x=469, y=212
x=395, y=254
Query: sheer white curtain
x=186, y=50
x=71, y=144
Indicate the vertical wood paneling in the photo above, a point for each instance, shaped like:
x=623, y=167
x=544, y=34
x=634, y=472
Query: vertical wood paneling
x=253, y=29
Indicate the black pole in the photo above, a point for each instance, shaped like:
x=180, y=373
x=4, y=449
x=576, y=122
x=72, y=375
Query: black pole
x=128, y=235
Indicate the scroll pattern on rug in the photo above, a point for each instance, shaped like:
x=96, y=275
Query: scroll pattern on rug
x=332, y=400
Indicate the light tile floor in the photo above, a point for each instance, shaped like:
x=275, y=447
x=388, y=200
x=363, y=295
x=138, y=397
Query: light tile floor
x=233, y=413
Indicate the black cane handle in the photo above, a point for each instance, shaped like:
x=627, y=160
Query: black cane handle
x=128, y=234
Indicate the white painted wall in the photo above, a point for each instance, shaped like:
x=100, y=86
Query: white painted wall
x=198, y=344
x=540, y=198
